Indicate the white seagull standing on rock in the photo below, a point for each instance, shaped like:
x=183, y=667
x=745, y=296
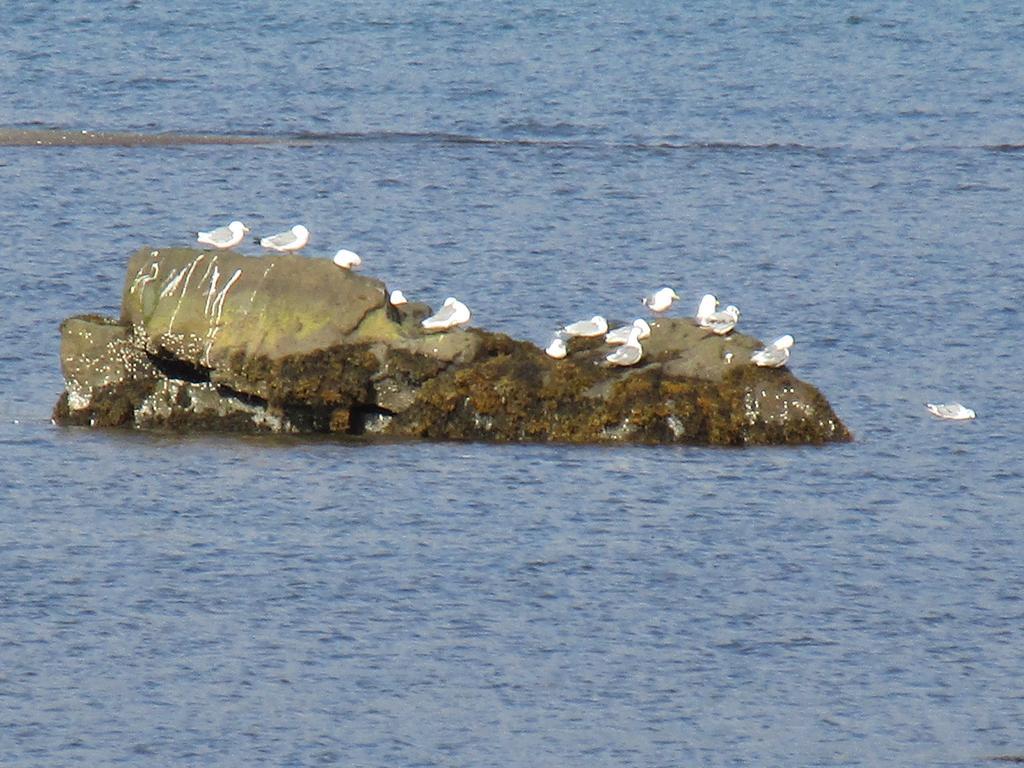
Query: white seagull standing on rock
x=224, y=237
x=453, y=313
x=775, y=355
x=722, y=322
x=286, y=242
x=595, y=326
x=621, y=335
x=347, y=259
x=660, y=300
x=397, y=298
x=952, y=411
x=629, y=353
x=706, y=308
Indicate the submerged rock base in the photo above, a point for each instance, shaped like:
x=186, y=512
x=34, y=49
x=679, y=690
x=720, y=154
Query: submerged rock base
x=224, y=342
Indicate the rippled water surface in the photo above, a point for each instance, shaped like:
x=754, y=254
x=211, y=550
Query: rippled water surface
x=852, y=177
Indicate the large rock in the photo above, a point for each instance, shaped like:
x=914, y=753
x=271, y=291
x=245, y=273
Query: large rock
x=205, y=306
x=216, y=340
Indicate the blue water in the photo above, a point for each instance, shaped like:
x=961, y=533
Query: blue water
x=851, y=176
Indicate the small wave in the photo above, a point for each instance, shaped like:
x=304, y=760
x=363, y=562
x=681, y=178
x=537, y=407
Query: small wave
x=548, y=142
x=556, y=130
x=434, y=137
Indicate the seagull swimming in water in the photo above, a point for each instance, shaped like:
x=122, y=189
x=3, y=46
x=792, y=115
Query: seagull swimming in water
x=453, y=313
x=595, y=326
x=629, y=353
x=347, y=259
x=952, y=411
x=722, y=322
x=621, y=335
x=708, y=305
x=397, y=298
x=224, y=237
x=286, y=242
x=660, y=300
x=775, y=355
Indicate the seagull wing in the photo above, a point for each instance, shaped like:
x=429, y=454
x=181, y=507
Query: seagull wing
x=625, y=355
x=770, y=357
x=218, y=238
x=441, y=318
x=221, y=235
x=618, y=335
x=582, y=328
x=280, y=240
x=721, y=325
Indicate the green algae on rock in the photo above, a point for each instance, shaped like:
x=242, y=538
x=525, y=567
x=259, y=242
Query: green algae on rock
x=225, y=342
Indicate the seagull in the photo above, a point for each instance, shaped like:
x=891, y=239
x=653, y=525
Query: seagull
x=292, y=240
x=708, y=304
x=660, y=300
x=630, y=352
x=347, y=259
x=775, y=355
x=722, y=322
x=397, y=298
x=453, y=313
x=224, y=237
x=953, y=411
x=557, y=348
x=595, y=326
x=621, y=335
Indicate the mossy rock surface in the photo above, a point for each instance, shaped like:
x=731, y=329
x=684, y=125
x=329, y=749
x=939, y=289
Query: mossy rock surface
x=224, y=342
x=204, y=306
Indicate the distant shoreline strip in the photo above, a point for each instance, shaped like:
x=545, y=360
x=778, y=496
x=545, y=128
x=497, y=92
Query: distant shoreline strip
x=56, y=137
x=48, y=137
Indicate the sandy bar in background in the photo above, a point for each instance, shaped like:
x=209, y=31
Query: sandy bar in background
x=28, y=137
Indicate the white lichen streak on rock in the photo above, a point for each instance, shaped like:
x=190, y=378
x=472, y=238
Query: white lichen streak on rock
x=211, y=265
x=263, y=279
x=184, y=288
x=142, y=280
x=212, y=288
x=215, y=309
x=172, y=282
